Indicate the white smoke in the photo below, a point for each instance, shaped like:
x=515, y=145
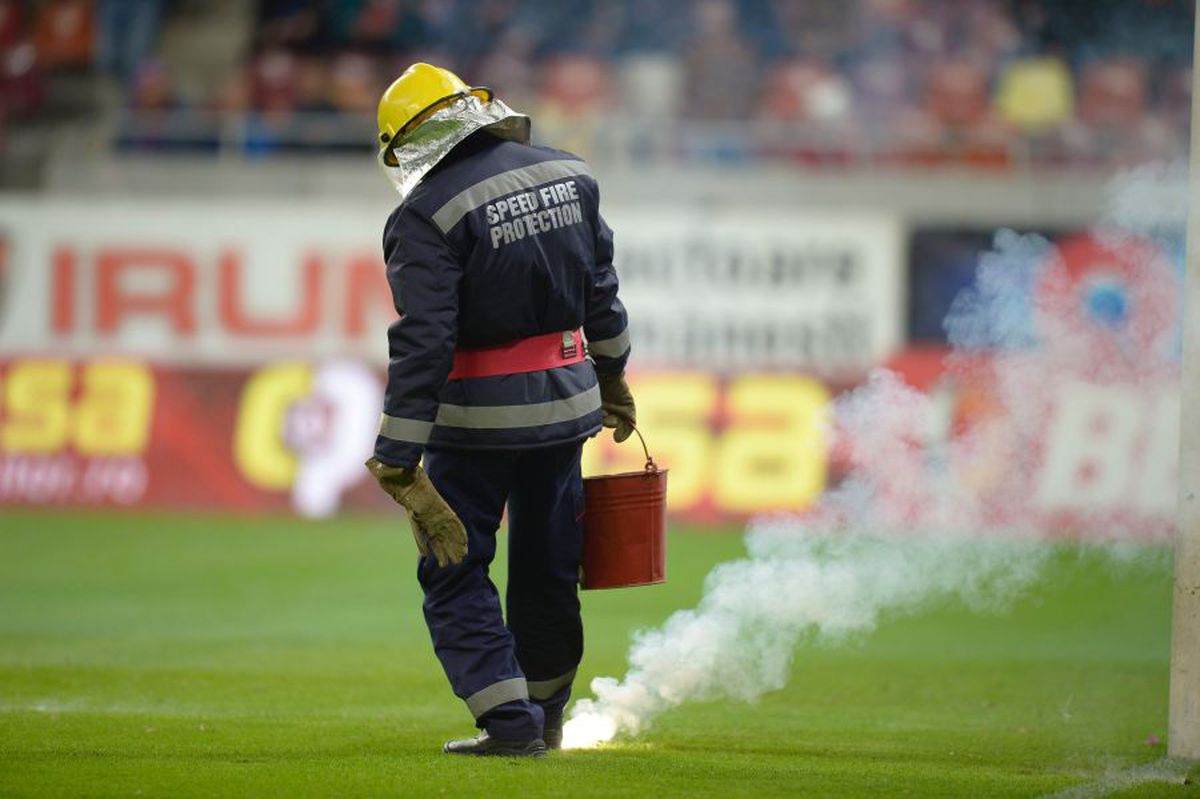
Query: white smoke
x=740, y=641
x=828, y=575
x=925, y=512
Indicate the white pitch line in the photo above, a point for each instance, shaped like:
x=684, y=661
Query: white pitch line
x=1169, y=769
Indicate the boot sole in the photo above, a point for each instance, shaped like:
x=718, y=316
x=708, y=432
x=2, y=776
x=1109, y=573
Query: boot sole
x=531, y=749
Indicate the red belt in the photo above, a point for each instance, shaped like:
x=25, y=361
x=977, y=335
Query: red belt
x=525, y=355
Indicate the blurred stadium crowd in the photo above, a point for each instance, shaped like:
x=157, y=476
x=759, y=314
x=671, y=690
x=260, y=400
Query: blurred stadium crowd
x=988, y=83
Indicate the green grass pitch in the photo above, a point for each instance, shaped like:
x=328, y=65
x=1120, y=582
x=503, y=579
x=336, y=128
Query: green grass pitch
x=163, y=655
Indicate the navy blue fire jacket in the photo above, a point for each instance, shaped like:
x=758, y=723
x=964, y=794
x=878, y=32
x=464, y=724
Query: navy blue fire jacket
x=500, y=241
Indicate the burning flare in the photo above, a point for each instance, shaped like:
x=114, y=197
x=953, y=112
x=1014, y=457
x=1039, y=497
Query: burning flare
x=588, y=729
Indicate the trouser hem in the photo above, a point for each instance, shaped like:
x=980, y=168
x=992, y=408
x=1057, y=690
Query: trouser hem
x=498, y=693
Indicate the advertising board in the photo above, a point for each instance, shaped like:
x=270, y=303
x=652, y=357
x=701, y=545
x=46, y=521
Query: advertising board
x=191, y=284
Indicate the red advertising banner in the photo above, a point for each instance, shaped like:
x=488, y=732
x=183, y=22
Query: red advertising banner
x=292, y=436
x=121, y=432
x=126, y=433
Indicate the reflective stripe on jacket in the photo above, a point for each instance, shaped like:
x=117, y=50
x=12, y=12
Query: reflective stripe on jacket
x=500, y=242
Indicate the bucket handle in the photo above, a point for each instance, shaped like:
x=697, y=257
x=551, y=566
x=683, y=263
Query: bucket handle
x=651, y=466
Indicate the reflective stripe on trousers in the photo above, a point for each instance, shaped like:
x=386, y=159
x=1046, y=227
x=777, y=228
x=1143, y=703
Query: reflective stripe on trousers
x=496, y=694
x=544, y=689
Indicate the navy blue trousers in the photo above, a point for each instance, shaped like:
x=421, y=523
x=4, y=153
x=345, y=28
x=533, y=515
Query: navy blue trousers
x=512, y=676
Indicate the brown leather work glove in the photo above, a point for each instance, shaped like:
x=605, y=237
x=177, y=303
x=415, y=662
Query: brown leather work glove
x=616, y=402
x=436, y=527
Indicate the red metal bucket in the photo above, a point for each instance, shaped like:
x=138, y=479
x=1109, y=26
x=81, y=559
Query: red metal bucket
x=625, y=528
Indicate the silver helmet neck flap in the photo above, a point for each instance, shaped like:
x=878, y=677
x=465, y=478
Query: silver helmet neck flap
x=429, y=142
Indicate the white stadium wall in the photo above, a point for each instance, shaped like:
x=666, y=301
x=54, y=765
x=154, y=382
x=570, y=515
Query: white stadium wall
x=725, y=290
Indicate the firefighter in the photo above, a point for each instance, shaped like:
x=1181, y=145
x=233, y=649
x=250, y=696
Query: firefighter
x=509, y=352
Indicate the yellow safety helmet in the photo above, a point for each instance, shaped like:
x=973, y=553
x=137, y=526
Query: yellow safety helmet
x=414, y=97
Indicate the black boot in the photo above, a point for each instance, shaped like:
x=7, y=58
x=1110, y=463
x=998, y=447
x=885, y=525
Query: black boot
x=552, y=732
x=483, y=745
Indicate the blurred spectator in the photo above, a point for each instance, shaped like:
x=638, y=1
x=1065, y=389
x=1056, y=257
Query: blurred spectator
x=236, y=94
x=821, y=30
x=810, y=104
x=435, y=23
x=22, y=81
x=151, y=90
x=366, y=23
x=910, y=81
x=891, y=28
x=883, y=90
x=1036, y=95
x=1174, y=97
x=12, y=23
x=576, y=96
x=312, y=86
x=660, y=27
x=957, y=99
x=65, y=32
x=480, y=26
x=274, y=82
x=651, y=87
x=288, y=23
x=151, y=98
x=1113, y=93
x=805, y=91
x=576, y=86
x=510, y=68
x=601, y=36
x=354, y=87
x=956, y=93
x=22, y=85
x=720, y=68
x=126, y=34
x=985, y=33
x=1111, y=120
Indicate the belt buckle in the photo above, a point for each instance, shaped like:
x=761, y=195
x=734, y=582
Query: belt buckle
x=569, y=348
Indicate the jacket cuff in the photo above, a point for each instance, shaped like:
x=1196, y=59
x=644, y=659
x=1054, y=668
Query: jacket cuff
x=609, y=355
x=397, y=453
x=608, y=366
